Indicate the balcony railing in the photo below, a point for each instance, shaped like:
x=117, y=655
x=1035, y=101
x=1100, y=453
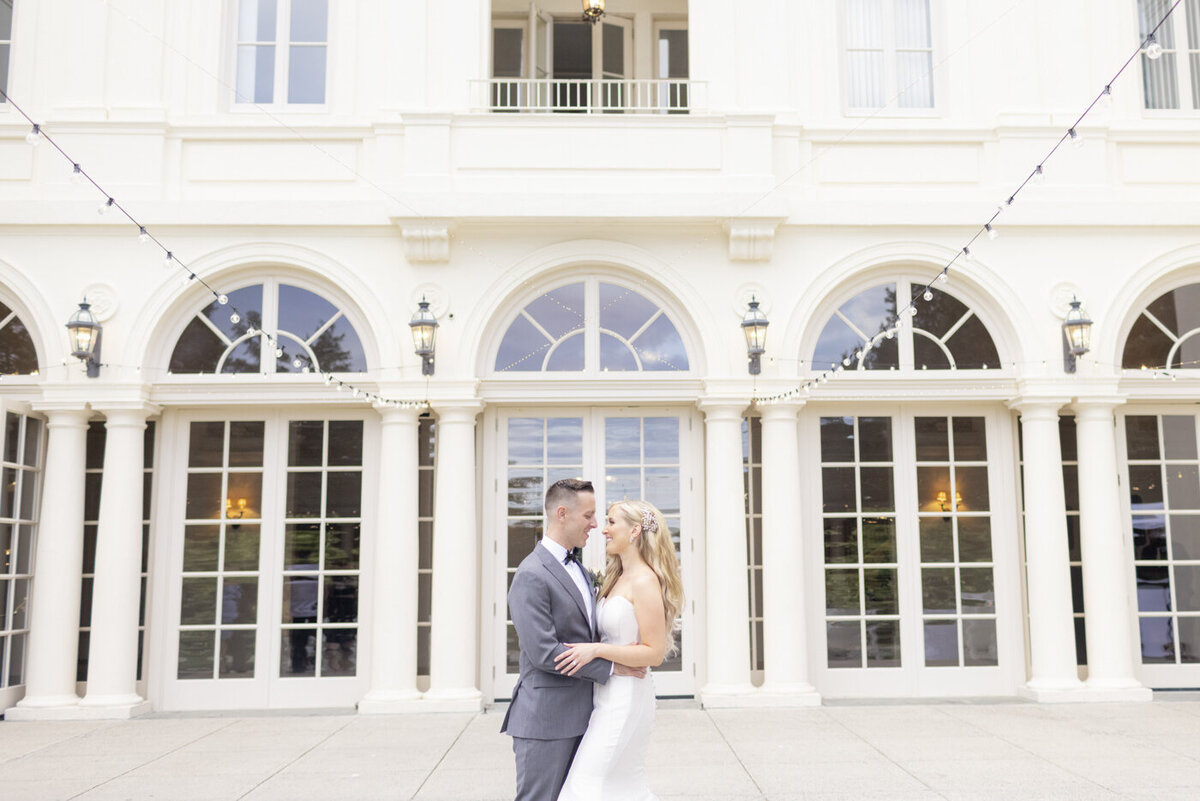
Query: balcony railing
x=572, y=96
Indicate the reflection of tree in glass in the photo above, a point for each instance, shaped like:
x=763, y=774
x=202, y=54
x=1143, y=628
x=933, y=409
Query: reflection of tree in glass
x=17, y=354
x=245, y=357
x=884, y=354
x=331, y=353
x=524, y=493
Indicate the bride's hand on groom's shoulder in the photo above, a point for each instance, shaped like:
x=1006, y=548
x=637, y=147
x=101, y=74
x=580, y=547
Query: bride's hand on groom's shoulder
x=575, y=657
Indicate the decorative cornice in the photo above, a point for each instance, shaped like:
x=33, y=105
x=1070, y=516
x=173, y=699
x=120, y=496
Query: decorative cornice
x=425, y=240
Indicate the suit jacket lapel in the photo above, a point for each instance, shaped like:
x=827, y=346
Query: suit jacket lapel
x=559, y=571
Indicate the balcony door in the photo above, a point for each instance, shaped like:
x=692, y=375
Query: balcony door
x=628, y=454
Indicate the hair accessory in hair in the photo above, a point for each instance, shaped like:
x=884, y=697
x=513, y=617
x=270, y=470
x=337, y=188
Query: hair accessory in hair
x=649, y=524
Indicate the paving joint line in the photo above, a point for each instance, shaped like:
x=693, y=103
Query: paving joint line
x=108, y=724
x=1039, y=757
x=300, y=756
x=875, y=748
x=442, y=758
x=732, y=750
x=180, y=747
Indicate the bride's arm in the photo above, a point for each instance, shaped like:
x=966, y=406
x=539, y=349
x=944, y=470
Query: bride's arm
x=652, y=627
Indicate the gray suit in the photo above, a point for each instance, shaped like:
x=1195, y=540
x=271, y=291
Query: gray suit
x=549, y=712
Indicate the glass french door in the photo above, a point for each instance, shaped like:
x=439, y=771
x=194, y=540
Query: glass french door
x=627, y=454
x=1162, y=462
x=266, y=559
x=917, y=590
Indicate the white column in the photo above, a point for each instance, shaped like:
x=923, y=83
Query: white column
x=454, y=616
x=1108, y=596
x=785, y=638
x=726, y=598
x=116, y=590
x=393, y=674
x=54, y=605
x=1047, y=569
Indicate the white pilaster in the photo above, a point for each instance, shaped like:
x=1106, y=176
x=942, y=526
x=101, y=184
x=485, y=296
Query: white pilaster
x=54, y=605
x=1108, y=597
x=1054, y=676
x=726, y=599
x=116, y=590
x=785, y=640
x=454, y=616
x=393, y=675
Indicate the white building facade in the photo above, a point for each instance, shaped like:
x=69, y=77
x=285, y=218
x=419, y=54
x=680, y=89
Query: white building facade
x=588, y=208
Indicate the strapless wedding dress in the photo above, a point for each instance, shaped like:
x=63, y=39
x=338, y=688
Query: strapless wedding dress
x=609, y=763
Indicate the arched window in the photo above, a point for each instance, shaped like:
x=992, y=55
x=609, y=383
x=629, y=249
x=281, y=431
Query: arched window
x=309, y=328
x=945, y=334
x=591, y=326
x=1167, y=332
x=17, y=354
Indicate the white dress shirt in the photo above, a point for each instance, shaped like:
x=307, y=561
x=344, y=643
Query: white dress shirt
x=575, y=570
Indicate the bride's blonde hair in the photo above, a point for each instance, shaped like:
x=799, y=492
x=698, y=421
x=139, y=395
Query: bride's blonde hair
x=657, y=551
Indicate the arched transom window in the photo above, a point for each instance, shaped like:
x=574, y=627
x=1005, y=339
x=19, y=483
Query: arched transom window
x=591, y=326
x=310, y=329
x=944, y=335
x=17, y=354
x=1167, y=332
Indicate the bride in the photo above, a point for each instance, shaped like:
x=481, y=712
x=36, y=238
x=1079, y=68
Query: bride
x=639, y=600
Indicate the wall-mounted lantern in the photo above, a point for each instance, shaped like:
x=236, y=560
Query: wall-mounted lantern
x=424, y=330
x=1077, y=335
x=754, y=326
x=84, y=333
x=593, y=10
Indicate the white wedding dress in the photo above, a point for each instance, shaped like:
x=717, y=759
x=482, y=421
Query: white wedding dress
x=609, y=763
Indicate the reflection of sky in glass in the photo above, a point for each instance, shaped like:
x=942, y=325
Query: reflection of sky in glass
x=302, y=312
x=247, y=300
x=623, y=310
x=559, y=311
x=870, y=310
x=256, y=20
x=308, y=20
x=306, y=74
x=622, y=439
x=615, y=354
x=622, y=483
x=519, y=347
x=662, y=488
x=660, y=347
x=525, y=440
x=662, y=439
x=564, y=442
x=567, y=355
x=255, y=73
x=836, y=342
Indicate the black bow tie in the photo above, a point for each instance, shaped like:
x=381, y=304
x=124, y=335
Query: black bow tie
x=573, y=555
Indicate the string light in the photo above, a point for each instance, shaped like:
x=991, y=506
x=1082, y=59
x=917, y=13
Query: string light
x=992, y=233
x=34, y=137
x=143, y=234
x=928, y=294
x=1039, y=175
x=222, y=299
x=1076, y=139
x=169, y=260
x=103, y=208
x=77, y=176
x=1153, y=48
x=235, y=318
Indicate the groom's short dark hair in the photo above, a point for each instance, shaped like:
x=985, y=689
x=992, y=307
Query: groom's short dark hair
x=563, y=492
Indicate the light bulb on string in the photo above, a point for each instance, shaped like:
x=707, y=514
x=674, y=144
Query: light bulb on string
x=944, y=276
x=143, y=235
x=966, y=251
x=1106, y=96
x=890, y=333
x=845, y=361
x=222, y=299
x=1039, y=175
x=279, y=353
x=328, y=379
x=187, y=279
x=991, y=232
x=235, y=318
x=297, y=363
x=34, y=136
x=354, y=392
x=103, y=208
x=340, y=386
x=168, y=260
x=1152, y=49
x=77, y=176
x=1076, y=139
x=928, y=294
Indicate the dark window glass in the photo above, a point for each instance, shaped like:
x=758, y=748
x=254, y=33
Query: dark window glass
x=17, y=353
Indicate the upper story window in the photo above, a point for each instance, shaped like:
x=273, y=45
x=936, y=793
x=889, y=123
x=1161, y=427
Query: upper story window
x=309, y=329
x=945, y=334
x=17, y=354
x=281, y=51
x=6, y=15
x=1172, y=81
x=591, y=326
x=562, y=64
x=888, y=54
x=1166, y=333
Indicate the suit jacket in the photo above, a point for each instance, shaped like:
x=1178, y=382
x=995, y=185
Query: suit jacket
x=547, y=610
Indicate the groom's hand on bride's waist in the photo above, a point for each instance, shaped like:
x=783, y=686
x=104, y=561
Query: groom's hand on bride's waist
x=625, y=670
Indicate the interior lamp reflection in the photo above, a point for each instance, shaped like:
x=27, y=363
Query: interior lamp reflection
x=943, y=498
x=235, y=512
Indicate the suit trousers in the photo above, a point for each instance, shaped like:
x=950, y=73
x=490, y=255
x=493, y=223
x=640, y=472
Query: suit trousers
x=542, y=766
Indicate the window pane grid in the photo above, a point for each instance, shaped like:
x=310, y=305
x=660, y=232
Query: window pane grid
x=752, y=481
x=22, y=448
x=1165, y=506
x=862, y=608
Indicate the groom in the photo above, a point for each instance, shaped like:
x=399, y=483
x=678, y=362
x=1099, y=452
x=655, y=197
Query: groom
x=552, y=602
